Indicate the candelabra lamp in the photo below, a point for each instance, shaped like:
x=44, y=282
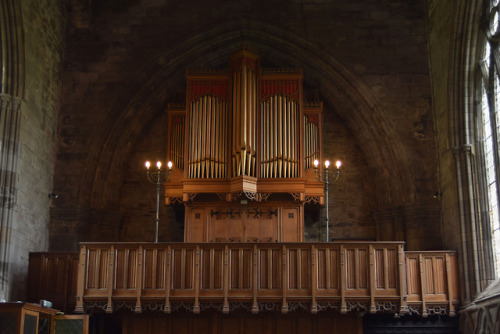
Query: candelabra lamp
x=158, y=176
x=326, y=177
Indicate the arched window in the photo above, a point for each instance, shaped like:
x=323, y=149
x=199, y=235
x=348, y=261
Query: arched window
x=489, y=133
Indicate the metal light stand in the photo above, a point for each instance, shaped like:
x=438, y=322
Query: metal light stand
x=158, y=176
x=324, y=177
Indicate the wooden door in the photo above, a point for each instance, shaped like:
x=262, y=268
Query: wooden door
x=195, y=229
x=291, y=227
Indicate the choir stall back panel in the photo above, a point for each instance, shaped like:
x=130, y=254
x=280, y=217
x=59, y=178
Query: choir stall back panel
x=52, y=276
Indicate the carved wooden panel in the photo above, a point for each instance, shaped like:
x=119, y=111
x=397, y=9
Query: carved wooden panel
x=97, y=266
x=270, y=268
x=212, y=274
x=431, y=279
x=126, y=266
x=299, y=268
x=234, y=223
x=183, y=265
x=328, y=268
x=155, y=261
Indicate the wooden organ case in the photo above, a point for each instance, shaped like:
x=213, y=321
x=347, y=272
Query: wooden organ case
x=243, y=148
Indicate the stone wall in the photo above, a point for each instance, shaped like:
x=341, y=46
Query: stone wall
x=43, y=27
x=367, y=61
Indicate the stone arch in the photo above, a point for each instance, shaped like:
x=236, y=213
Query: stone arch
x=363, y=112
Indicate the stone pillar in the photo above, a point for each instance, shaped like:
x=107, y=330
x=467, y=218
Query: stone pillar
x=11, y=94
x=9, y=124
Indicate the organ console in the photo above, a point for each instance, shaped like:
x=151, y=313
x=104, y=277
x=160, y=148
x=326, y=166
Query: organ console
x=244, y=142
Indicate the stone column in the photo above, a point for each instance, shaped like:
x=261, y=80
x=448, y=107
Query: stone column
x=11, y=94
x=9, y=124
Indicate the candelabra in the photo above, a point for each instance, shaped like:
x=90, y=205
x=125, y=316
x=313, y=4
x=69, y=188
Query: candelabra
x=324, y=177
x=158, y=176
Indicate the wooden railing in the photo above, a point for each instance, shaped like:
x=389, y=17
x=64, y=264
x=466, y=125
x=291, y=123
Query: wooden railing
x=361, y=276
x=432, y=278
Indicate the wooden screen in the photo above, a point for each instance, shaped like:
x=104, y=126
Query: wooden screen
x=52, y=276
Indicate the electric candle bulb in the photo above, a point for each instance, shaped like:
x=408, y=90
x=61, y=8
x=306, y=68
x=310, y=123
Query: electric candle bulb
x=170, y=164
x=327, y=163
x=338, y=164
x=148, y=164
x=316, y=163
x=158, y=164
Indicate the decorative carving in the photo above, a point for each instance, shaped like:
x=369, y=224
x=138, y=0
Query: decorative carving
x=175, y=200
x=229, y=213
x=298, y=307
x=416, y=310
x=386, y=307
x=94, y=306
x=154, y=306
x=240, y=306
x=269, y=306
x=356, y=306
x=264, y=196
x=257, y=213
x=437, y=310
x=251, y=196
x=328, y=306
x=182, y=307
x=221, y=196
x=211, y=306
x=191, y=197
x=236, y=196
x=257, y=197
x=312, y=199
x=124, y=305
x=296, y=196
x=271, y=212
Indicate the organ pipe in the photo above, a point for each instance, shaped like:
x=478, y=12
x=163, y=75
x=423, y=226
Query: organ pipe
x=245, y=124
x=279, y=147
x=176, y=139
x=207, y=133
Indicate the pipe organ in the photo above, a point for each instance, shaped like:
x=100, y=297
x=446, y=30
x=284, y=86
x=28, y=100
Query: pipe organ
x=244, y=142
